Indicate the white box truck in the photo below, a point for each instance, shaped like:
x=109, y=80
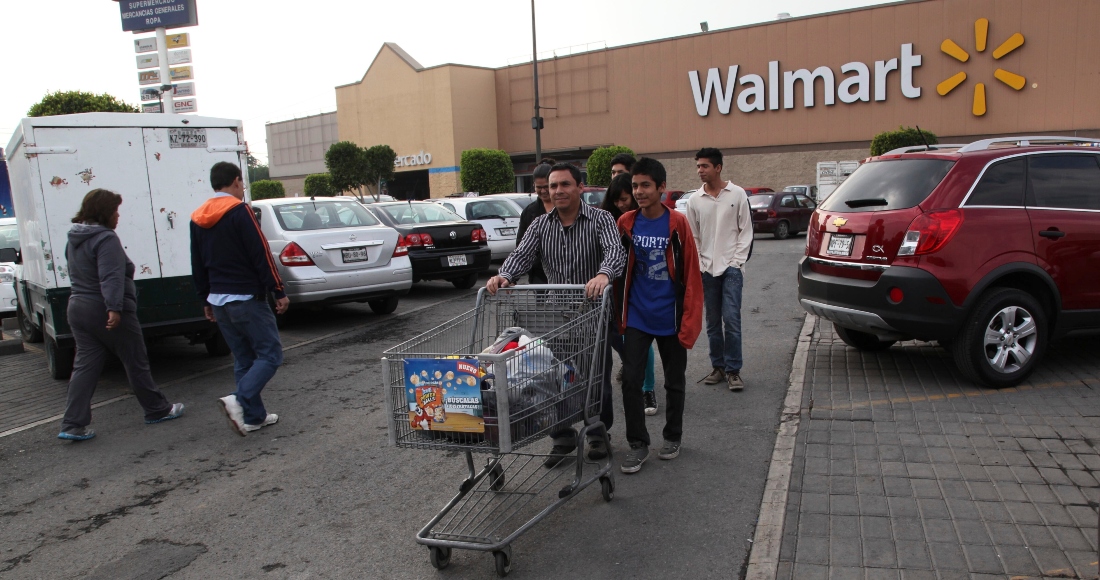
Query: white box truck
x=830, y=174
x=160, y=165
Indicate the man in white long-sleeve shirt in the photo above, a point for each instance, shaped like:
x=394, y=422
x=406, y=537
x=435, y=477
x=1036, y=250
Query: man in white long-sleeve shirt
x=722, y=225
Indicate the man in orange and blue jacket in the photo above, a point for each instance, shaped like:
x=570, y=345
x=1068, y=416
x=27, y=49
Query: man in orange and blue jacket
x=660, y=299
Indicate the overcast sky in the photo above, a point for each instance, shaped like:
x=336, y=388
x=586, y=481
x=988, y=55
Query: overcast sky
x=271, y=60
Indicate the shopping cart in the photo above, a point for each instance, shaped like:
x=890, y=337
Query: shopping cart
x=513, y=491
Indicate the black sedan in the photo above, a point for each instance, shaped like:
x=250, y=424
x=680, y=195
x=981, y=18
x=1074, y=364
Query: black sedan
x=441, y=245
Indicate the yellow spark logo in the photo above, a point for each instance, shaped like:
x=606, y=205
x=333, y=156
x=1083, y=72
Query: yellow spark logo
x=981, y=34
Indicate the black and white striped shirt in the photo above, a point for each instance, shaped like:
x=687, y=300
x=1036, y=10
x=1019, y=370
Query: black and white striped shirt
x=569, y=255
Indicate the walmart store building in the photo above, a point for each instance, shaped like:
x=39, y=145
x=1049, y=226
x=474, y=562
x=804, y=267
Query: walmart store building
x=776, y=97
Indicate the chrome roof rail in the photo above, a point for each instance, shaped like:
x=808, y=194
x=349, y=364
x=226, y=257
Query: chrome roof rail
x=919, y=148
x=985, y=144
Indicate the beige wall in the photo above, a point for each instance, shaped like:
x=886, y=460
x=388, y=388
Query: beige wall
x=294, y=185
x=774, y=169
x=640, y=95
x=297, y=147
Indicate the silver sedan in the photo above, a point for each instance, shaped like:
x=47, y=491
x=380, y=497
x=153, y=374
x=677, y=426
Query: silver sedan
x=333, y=250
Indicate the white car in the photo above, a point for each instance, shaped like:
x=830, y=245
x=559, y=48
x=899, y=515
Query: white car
x=682, y=203
x=9, y=238
x=499, y=216
x=332, y=250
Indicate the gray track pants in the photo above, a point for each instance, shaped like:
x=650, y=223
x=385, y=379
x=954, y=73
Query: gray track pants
x=88, y=320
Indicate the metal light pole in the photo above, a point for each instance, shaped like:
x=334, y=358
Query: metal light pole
x=166, y=105
x=536, y=121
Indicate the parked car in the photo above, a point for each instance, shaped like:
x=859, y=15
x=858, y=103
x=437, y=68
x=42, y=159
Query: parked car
x=593, y=196
x=682, y=203
x=368, y=198
x=520, y=199
x=440, y=244
x=758, y=190
x=669, y=197
x=781, y=214
x=809, y=191
x=333, y=250
x=9, y=240
x=498, y=215
x=992, y=249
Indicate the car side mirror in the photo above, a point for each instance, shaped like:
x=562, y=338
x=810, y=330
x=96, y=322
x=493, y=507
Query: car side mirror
x=10, y=255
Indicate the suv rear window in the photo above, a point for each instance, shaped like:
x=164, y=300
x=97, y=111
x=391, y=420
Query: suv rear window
x=1065, y=181
x=887, y=185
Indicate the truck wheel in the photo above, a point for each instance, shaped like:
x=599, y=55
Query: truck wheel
x=782, y=231
x=862, y=340
x=30, y=332
x=383, y=305
x=1003, y=338
x=466, y=282
x=216, y=345
x=59, y=359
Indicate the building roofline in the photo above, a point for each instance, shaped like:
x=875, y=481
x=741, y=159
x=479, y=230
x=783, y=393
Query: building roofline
x=409, y=60
x=299, y=118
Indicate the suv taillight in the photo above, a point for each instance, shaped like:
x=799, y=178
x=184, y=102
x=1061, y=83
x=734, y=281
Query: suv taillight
x=294, y=255
x=930, y=232
x=402, y=248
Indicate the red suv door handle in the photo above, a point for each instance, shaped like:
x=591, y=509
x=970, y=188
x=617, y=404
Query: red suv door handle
x=1052, y=233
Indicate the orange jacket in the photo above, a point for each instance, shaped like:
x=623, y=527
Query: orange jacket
x=683, y=272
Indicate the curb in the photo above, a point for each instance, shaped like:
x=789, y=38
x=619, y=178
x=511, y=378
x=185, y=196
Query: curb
x=10, y=345
x=764, y=558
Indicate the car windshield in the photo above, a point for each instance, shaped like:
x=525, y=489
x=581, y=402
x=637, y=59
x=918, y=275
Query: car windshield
x=490, y=208
x=420, y=213
x=888, y=185
x=9, y=236
x=760, y=201
x=319, y=215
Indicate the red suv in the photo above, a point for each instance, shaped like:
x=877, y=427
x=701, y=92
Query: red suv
x=992, y=249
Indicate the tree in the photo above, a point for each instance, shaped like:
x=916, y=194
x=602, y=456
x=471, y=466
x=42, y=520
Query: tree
x=379, y=161
x=256, y=170
x=71, y=102
x=903, y=137
x=487, y=171
x=599, y=164
x=319, y=185
x=267, y=189
x=347, y=167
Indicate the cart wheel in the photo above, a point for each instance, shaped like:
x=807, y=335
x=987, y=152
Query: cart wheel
x=441, y=557
x=496, y=478
x=504, y=563
x=608, y=488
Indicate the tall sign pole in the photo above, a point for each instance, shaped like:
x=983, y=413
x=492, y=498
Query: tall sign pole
x=536, y=121
x=165, y=75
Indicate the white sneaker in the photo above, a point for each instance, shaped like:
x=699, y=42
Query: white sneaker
x=235, y=413
x=271, y=419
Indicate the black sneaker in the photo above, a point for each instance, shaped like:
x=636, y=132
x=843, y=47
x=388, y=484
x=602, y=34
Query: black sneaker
x=650, y=400
x=714, y=377
x=558, y=454
x=670, y=450
x=637, y=455
x=597, y=450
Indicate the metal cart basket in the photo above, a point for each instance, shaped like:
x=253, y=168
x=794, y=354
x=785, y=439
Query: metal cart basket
x=547, y=385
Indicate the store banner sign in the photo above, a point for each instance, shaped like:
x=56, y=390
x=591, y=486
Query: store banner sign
x=181, y=73
x=149, y=77
x=179, y=57
x=150, y=94
x=186, y=106
x=180, y=40
x=147, y=61
x=142, y=15
x=145, y=45
x=152, y=108
x=183, y=90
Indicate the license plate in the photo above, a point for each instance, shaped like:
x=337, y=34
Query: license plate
x=187, y=138
x=840, y=245
x=354, y=254
x=459, y=260
x=506, y=231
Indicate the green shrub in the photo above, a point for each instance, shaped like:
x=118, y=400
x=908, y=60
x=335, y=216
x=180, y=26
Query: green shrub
x=903, y=137
x=319, y=185
x=599, y=164
x=267, y=189
x=487, y=171
x=71, y=102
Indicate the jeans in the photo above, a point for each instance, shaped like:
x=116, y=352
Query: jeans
x=566, y=435
x=722, y=301
x=249, y=329
x=650, y=377
x=88, y=320
x=674, y=362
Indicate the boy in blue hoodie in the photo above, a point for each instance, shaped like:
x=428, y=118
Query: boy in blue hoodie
x=234, y=273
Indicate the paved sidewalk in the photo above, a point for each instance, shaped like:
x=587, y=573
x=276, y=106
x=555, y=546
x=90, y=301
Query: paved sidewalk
x=904, y=470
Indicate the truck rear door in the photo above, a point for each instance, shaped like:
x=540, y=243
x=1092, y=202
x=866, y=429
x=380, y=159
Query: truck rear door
x=84, y=159
x=179, y=162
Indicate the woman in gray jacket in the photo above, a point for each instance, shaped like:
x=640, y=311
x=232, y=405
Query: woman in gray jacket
x=103, y=317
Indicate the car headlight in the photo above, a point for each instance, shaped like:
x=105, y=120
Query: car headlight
x=7, y=275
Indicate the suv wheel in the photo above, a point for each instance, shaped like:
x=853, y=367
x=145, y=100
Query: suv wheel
x=782, y=230
x=862, y=340
x=1003, y=339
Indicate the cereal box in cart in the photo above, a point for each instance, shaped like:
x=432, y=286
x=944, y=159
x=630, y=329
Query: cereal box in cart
x=444, y=394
